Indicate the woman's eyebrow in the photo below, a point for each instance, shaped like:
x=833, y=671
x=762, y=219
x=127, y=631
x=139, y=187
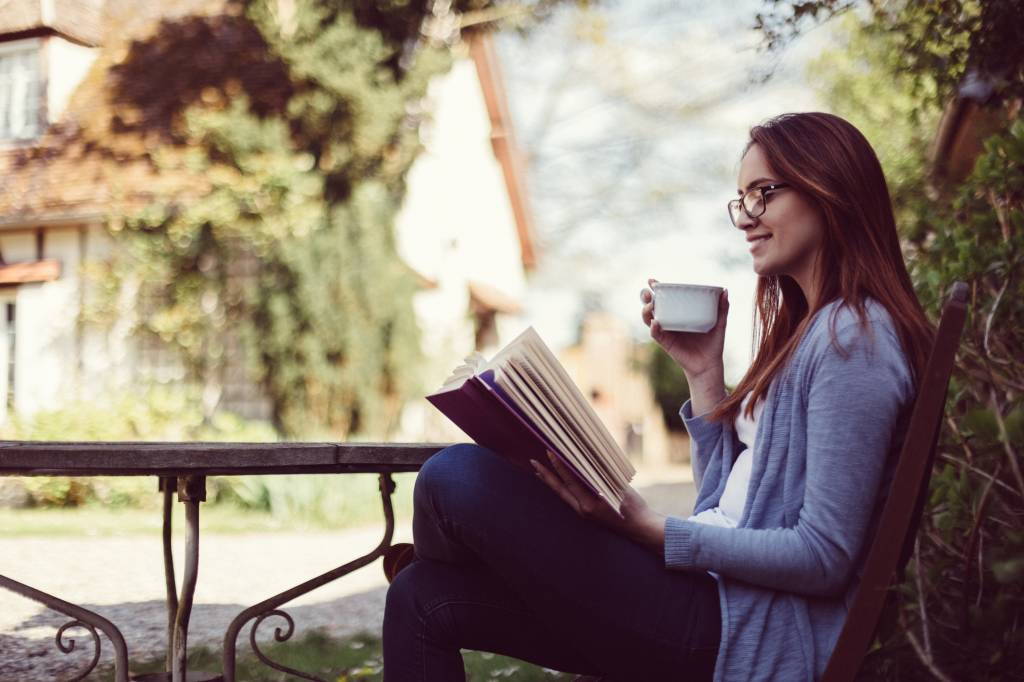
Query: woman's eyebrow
x=753, y=183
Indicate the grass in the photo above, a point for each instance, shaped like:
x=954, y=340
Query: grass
x=357, y=658
x=296, y=503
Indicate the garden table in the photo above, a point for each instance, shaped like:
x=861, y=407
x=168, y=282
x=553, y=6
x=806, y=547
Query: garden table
x=183, y=468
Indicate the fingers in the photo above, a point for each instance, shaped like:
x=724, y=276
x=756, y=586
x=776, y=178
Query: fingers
x=723, y=308
x=554, y=482
x=586, y=499
x=647, y=298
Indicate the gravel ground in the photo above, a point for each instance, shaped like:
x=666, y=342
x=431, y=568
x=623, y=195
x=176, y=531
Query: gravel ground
x=122, y=579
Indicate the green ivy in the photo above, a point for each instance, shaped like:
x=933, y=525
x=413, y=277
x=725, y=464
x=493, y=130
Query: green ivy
x=961, y=612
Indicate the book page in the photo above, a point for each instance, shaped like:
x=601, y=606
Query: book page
x=542, y=360
x=572, y=424
x=513, y=381
x=533, y=378
x=474, y=363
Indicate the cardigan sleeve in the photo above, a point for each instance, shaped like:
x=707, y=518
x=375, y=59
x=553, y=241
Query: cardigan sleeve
x=706, y=441
x=854, y=399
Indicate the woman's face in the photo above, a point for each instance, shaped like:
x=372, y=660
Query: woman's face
x=787, y=237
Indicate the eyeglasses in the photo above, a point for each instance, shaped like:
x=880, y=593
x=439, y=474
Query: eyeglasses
x=753, y=202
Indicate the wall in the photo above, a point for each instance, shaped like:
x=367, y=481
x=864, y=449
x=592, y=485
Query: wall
x=456, y=225
x=67, y=65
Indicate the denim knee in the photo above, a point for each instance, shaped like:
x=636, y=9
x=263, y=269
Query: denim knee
x=448, y=473
x=400, y=603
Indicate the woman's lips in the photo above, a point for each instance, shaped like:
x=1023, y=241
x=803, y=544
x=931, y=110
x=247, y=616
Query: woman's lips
x=755, y=243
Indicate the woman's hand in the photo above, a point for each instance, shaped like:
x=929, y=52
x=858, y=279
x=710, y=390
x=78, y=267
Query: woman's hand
x=634, y=519
x=700, y=355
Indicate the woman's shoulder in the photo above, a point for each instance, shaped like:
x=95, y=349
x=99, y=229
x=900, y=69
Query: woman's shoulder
x=841, y=315
x=856, y=344
x=843, y=325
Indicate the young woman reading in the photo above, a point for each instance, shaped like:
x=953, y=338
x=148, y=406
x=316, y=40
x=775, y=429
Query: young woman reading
x=791, y=466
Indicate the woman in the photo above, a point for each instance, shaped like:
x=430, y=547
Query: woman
x=754, y=585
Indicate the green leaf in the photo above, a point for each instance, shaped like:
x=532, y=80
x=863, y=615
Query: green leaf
x=1009, y=571
x=982, y=423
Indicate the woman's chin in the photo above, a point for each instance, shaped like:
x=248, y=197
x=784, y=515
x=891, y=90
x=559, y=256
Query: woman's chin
x=763, y=269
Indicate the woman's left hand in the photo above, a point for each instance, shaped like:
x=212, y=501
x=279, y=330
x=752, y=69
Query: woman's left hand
x=634, y=519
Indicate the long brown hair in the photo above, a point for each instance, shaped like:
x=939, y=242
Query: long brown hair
x=833, y=165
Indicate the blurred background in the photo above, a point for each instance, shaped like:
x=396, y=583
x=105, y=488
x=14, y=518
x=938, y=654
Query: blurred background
x=261, y=220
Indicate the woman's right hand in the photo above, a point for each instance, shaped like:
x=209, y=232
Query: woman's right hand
x=700, y=355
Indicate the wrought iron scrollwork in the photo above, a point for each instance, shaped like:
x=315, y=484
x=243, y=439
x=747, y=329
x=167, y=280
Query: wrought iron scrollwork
x=83, y=618
x=269, y=607
x=279, y=636
x=69, y=646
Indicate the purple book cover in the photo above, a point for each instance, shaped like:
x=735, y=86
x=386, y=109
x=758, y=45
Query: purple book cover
x=488, y=416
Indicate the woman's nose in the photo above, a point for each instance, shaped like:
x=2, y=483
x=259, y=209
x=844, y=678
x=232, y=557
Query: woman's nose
x=745, y=222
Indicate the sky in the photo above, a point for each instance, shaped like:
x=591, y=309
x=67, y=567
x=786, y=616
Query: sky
x=632, y=116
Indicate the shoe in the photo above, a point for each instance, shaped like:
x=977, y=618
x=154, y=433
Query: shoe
x=397, y=557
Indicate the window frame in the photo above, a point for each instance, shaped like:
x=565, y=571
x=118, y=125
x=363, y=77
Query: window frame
x=34, y=46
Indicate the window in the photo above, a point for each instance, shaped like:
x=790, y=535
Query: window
x=19, y=92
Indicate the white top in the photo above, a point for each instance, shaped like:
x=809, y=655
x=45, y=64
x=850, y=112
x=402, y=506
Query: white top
x=734, y=498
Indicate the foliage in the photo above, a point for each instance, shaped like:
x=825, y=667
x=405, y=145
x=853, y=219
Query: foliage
x=960, y=616
x=286, y=247
x=934, y=43
x=165, y=414
x=317, y=501
x=863, y=82
x=969, y=573
x=159, y=413
x=668, y=383
x=281, y=143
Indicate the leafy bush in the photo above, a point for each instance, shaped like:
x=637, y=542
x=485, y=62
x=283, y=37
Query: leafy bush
x=668, y=383
x=966, y=580
x=159, y=413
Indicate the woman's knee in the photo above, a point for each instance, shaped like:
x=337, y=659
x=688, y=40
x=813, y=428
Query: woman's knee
x=400, y=603
x=419, y=594
x=454, y=471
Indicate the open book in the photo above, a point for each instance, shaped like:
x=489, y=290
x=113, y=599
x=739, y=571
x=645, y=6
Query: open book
x=522, y=403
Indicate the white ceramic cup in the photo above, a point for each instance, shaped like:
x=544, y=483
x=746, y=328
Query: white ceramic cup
x=686, y=307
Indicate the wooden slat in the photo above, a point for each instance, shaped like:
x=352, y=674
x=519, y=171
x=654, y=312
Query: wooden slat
x=35, y=271
x=898, y=523
x=35, y=458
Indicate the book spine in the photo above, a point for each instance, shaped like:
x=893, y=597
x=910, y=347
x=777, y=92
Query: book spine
x=491, y=422
x=487, y=380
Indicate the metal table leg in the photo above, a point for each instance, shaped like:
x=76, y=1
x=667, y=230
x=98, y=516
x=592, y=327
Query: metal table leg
x=191, y=491
x=168, y=485
x=269, y=607
x=83, y=618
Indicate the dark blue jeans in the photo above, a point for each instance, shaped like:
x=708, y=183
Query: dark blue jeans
x=504, y=565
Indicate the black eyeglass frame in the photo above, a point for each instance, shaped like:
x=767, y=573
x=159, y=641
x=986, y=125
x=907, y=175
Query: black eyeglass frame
x=741, y=201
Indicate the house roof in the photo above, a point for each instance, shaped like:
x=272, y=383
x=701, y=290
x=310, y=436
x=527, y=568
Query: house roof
x=101, y=157
x=80, y=20
x=503, y=141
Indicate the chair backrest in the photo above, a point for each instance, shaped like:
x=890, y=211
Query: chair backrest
x=900, y=517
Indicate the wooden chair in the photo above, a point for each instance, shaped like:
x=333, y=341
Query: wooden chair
x=897, y=527
x=901, y=515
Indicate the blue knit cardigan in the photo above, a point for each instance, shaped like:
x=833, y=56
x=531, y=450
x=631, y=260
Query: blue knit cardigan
x=832, y=424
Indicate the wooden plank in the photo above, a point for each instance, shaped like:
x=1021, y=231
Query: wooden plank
x=35, y=271
x=34, y=458
x=391, y=453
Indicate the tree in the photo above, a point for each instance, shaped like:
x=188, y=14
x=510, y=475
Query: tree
x=668, y=383
x=897, y=65
x=287, y=127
